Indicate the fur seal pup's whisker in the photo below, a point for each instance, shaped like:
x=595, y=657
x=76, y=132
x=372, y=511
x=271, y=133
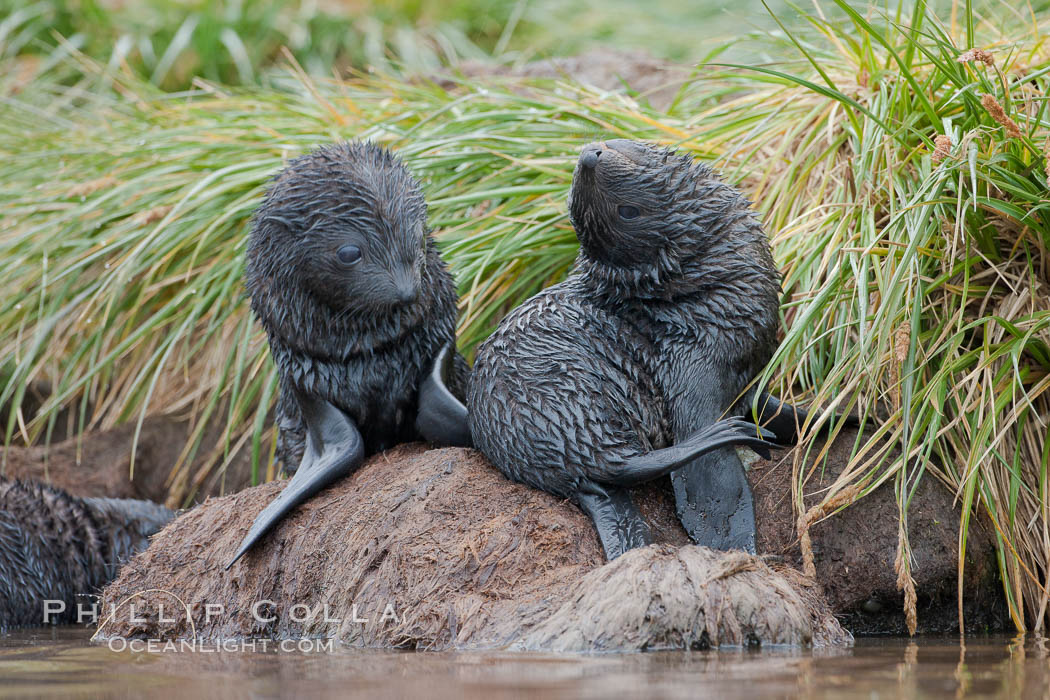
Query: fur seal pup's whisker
x=357, y=305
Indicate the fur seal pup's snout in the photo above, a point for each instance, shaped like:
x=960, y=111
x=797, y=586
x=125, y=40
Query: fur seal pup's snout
x=357, y=305
x=590, y=155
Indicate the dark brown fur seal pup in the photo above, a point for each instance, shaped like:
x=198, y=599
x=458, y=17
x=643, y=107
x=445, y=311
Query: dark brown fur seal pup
x=54, y=546
x=358, y=308
x=671, y=311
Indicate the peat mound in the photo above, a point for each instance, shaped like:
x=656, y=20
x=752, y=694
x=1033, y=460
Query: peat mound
x=435, y=549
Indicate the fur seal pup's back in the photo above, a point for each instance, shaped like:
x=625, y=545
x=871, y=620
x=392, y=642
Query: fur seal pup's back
x=57, y=547
x=357, y=305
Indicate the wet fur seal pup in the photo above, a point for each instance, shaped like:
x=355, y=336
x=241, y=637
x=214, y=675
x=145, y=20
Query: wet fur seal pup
x=621, y=373
x=55, y=546
x=359, y=310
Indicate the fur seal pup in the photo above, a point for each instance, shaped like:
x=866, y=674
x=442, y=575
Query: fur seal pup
x=360, y=312
x=55, y=546
x=620, y=373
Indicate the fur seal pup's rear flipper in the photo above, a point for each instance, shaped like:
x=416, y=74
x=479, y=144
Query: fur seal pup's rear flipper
x=713, y=501
x=724, y=433
x=785, y=419
x=334, y=448
x=619, y=524
x=442, y=418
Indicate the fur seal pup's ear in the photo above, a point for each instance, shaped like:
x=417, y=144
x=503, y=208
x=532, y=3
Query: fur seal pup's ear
x=441, y=417
x=334, y=448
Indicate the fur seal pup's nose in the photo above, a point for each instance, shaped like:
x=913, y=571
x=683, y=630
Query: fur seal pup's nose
x=591, y=154
x=406, y=286
x=406, y=292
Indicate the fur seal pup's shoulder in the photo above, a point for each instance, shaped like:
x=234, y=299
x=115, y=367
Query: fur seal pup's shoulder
x=57, y=547
x=358, y=308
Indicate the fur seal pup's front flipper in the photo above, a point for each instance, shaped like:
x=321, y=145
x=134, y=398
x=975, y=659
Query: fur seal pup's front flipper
x=334, y=448
x=619, y=524
x=441, y=417
x=713, y=501
x=712, y=495
x=785, y=419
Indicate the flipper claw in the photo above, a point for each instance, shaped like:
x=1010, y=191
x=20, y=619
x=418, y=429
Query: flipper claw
x=724, y=433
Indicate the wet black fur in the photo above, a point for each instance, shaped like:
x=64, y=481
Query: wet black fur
x=54, y=546
x=664, y=321
x=340, y=332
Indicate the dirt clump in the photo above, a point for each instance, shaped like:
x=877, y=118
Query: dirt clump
x=98, y=463
x=855, y=549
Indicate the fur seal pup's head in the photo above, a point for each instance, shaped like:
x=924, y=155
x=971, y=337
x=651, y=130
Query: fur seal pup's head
x=654, y=223
x=340, y=239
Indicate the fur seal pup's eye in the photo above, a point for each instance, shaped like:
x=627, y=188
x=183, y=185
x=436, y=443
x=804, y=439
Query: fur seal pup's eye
x=348, y=254
x=626, y=211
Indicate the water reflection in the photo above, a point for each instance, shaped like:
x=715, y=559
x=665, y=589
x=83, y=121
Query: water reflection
x=62, y=663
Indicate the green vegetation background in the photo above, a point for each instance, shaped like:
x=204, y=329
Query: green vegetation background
x=901, y=176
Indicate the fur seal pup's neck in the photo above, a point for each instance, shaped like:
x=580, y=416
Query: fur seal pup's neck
x=654, y=224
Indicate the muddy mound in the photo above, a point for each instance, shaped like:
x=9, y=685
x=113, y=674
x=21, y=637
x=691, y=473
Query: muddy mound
x=99, y=463
x=435, y=549
x=854, y=549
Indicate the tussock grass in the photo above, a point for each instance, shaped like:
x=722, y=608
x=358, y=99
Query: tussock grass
x=905, y=190
x=171, y=42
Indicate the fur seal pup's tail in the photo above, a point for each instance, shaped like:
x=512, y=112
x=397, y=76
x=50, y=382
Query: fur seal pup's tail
x=334, y=448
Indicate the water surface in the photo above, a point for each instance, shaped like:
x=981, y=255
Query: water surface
x=61, y=662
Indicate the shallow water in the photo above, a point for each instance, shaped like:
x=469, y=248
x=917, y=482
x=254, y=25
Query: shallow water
x=61, y=662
